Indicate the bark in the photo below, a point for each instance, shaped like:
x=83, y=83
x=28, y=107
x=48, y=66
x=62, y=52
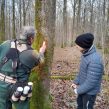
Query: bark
x=78, y=14
x=14, y=32
x=64, y=24
x=40, y=99
x=2, y=21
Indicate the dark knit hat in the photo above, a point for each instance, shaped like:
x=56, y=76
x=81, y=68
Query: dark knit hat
x=85, y=40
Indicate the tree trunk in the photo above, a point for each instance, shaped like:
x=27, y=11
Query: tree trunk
x=73, y=23
x=107, y=22
x=108, y=13
x=20, y=14
x=78, y=15
x=64, y=24
x=40, y=99
x=74, y=10
x=24, y=16
x=14, y=32
x=9, y=21
x=2, y=21
x=91, y=17
x=37, y=100
x=104, y=7
x=25, y=8
x=84, y=16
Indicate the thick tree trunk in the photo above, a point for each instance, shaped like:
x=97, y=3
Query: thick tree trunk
x=37, y=100
x=40, y=99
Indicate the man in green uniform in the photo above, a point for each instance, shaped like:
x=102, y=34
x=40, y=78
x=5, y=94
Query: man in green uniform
x=17, y=58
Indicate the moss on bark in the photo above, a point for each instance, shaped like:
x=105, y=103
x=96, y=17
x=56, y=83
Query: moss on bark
x=40, y=98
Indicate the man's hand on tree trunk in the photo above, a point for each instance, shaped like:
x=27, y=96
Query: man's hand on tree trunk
x=43, y=48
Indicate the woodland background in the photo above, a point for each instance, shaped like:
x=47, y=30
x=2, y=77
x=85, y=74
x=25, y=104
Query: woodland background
x=59, y=22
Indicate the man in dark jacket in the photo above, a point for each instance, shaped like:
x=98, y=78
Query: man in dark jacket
x=88, y=81
x=17, y=58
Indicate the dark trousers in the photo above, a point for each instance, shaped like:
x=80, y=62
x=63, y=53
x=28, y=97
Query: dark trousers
x=85, y=101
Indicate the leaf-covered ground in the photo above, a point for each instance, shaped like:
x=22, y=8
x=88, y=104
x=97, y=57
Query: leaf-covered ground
x=66, y=62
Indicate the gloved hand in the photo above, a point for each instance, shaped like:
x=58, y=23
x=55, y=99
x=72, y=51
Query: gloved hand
x=43, y=48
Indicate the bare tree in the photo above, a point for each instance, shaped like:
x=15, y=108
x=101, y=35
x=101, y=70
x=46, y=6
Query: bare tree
x=45, y=30
x=64, y=42
x=2, y=21
x=26, y=4
x=20, y=6
x=13, y=20
x=78, y=14
x=91, y=15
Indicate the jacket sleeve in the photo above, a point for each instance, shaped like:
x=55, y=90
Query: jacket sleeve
x=76, y=80
x=39, y=57
x=94, y=74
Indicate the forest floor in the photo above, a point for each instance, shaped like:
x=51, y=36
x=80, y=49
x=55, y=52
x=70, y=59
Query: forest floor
x=65, y=62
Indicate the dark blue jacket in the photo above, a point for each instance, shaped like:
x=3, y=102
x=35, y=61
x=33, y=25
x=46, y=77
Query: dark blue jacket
x=90, y=73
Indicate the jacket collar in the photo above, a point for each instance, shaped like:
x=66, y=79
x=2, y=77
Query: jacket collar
x=90, y=51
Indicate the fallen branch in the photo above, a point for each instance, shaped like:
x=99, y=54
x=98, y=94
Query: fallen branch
x=65, y=77
x=71, y=77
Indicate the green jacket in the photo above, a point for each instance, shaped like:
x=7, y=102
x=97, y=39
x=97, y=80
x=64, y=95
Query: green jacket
x=27, y=60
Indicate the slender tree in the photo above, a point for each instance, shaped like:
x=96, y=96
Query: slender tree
x=13, y=20
x=91, y=15
x=2, y=21
x=108, y=13
x=74, y=3
x=84, y=15
x=26, y=4
x=20, y=13
x=64, y=24
x=78, y=14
